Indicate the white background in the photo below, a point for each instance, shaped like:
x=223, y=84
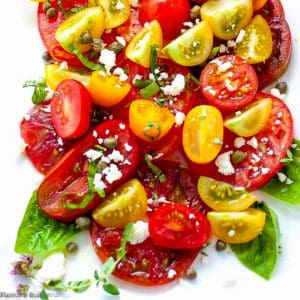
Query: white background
x=220, y=275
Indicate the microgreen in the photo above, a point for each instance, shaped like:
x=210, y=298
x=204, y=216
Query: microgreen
x=155, y=169
x=40, y=90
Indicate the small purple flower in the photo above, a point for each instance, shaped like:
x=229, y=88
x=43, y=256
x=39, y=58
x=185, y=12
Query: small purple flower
x=22, y=289
x=23, y=266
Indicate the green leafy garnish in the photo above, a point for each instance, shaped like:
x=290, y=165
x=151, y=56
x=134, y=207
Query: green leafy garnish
x=155, y=169
x=43, y=295
x=150, y=90
x=153, y=59
x=89, y=64
x=40, y=91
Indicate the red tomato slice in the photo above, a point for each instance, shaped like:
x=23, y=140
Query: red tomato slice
x=146, y=263
x=43, y=147
x=228, y=82
x=71, y=108
x=275, y=65
x=48, y=26
x=263, y=161
x=178, y=226
x=170, y=15
x=67, y=181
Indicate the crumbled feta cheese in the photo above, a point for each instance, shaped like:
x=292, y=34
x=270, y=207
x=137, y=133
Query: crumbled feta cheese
x=119, y=5
x=176, y=86
x=138, y=233
x=240, y=36
x=116, y=156
x=98, y=182
x=112, y=173
x=128, y=148
x=108, y=59
x=134, y=3
x=253, y=142
x=281, y=176
x=92, y=154
x=179, y=118
x=239, y=142
x=53, y=268
x=63, y=66
x=120, y=72
x=171, y=273
x=224, y=164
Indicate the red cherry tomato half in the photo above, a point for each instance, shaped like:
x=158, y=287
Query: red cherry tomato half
x=71, y=108
x=170, y=14
x=228, y=82
x=67, y=182
x=177, y=226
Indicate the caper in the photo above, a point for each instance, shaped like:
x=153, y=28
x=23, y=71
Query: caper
x=238, y=156
x=220, y=245
x=282, y=87
x=97, y=45
x=195, y=12
x=115, y=47
x=110, y=142
x=46, y=6
x=190, y=273
x=51, y=12
x=101, y=165
x=46, y=57
x=83, y=223
x=86, y=38
x=72, y=247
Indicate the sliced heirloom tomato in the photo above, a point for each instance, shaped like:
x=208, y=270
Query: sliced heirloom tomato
x=228, y=82
x=66, y=193
x=272, y=9
x=146, y=263
x=71, y=109
x=177, y=226
x=43, y=147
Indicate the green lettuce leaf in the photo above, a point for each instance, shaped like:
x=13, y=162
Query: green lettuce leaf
x=289, y=193
x=40, y=235
x=261, y=254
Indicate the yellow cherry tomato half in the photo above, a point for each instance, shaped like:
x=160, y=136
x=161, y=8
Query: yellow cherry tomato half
x=237, y=227
x=107, y=89
x=127, y=203
x=222, y=196
x=256, y=45
x=55, y=74
x=257, y=4
x=251, y=120
x=148, y=120
x=192, y=47
x=117, y=12
x=139, y=48
x=90, y=20
x=227, y=17
x=202, y=135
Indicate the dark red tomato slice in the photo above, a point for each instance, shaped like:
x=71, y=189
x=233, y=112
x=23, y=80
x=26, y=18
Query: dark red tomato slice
x=43, y=147
x=228, y=82
x=275, y=65
x=179, y=186
x=71, y=108
x=63, y=193
x=273, y=9
x=177, y=226
x=146, y=263
x=48, y=26
x=170, y=14
x=262, y=161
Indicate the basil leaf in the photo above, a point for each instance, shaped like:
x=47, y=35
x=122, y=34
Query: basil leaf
x=289, y=193
x=111, y=289
x=40, y=235
x=260, y=255
x=79, y=286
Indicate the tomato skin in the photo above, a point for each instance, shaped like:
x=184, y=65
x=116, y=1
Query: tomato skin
x=63, y=180
x=232, y=89
x=170, y=15
x=273, y=9
x=71, y=108
x=177, y=226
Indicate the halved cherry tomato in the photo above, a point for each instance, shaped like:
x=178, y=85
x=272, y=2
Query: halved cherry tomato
x=227, y=17
x=64, y=192
x=256, y=45
x=250, y=120
x=170, y=15
x=177, y=226
x=237, y=227
x=222, y=196
x=192, y=47
x=107, y=89
x=127, y=203
x=71, y=108
x=202, y=135
x=228, y=82
x=146, y=263
x=149, y=121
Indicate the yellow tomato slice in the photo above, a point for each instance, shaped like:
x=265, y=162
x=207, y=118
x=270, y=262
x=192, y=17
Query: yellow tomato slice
x=192, y=47
x=148, y=120
x=251, y=120
x=257, y=4
x=54, y=74
x=139, y=48
x=89, y=20
x=256, y=45
x=117, y=11
x=107, y=89
x=221, y=196
x=237, y=227
x=202, y=135
x=127, y=203
x=227, y=17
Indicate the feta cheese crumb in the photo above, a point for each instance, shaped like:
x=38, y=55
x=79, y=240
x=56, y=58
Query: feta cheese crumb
x=240, y=36
x=281, y=176
x=176, y=86
x=224, y=164
x=179, y=118
x=253, y=142
x=239, y=142
x=108, y=58
x=138, y=233
x=112, y=173
x=92, y=154
x=171, y=273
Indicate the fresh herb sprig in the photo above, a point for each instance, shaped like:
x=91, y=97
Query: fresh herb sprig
x=40, y=90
